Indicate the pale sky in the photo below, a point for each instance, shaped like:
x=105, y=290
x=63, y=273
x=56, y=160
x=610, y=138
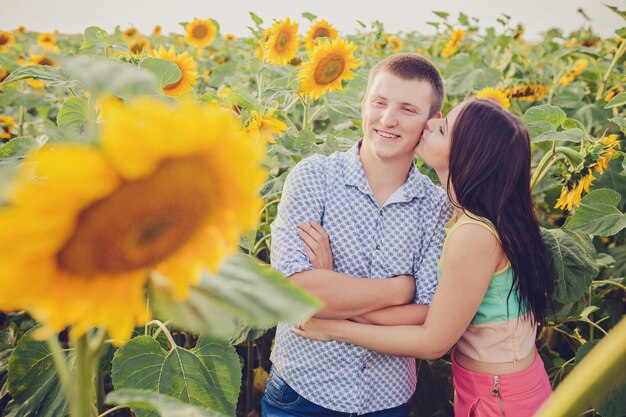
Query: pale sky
x=72, y=16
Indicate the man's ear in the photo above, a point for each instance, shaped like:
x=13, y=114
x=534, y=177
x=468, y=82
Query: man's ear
x=438, y=116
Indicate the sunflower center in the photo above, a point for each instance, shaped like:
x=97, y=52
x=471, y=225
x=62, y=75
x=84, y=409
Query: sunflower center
x=142, y=222
x=200, y=31
x=137, y=48
x=282, y=41
x=329, y=69
x=46, y=61
x=321, y=33
x=4, y=39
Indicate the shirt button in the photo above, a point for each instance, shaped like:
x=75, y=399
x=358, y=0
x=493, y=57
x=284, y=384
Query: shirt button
x=377, y=247
x=380, y=212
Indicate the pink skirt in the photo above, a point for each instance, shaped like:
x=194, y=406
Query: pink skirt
x=519, y=394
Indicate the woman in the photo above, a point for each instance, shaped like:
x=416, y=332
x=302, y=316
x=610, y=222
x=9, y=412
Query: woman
x=493, y=272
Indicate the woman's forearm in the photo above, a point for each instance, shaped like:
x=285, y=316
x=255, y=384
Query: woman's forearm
x=395, y=316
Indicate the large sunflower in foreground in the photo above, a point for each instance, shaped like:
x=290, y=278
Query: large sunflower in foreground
x=319, y=29
x=329, y=64
x=187, y=66
x=168, y=189
x=282, y=44
x=200, y=33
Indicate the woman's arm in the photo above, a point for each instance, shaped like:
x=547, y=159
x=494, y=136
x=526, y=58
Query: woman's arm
x=395, y=316
x=472, y=256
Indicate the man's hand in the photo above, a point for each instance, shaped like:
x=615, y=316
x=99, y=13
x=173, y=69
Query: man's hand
x=316, y=244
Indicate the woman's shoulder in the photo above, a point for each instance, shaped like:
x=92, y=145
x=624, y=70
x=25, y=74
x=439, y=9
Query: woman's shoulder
x=478, y=224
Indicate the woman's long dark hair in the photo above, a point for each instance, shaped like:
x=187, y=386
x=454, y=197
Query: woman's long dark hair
x=490, y=174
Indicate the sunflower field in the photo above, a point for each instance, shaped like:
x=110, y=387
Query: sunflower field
x=139, y=174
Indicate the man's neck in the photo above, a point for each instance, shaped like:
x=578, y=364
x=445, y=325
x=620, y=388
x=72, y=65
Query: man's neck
x=384, y=177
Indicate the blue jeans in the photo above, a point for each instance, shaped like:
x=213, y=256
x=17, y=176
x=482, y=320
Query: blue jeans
x=280, y=400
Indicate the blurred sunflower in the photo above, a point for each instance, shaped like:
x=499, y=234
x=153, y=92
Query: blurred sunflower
x=613, y=92
x=130, y=33
x=46, y=40
x=495, y=95
x=610, y=145
x=453, y=44
x=527, y=92
x=40, y=59
x=579, y=66
x=4, y=73
x=6, y=39
x=329, y=64
x=230, y=37
x=319, y=29
x=571, y=193
x=266, y=125
x=21, y=29
x=6, y=127
x=394, y=43
x=200, y=33
x=88, y=224
x=187, y=66
x=138, y=46
x=282, y=44
x=157, y=30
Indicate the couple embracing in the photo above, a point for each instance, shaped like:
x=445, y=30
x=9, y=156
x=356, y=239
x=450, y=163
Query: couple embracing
x=407, y=269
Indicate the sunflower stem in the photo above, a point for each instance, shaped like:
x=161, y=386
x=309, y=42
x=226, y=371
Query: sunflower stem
x=618, y=54
x=85, y=367
x=306, y=102
x=62, y=367
x=542, y=168
x=167, y=332
x=112, y=410
x=249, y=377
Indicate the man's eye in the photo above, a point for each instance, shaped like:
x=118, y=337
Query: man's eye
x=408, y=109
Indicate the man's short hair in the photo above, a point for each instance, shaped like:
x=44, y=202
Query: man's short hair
x=412, y=67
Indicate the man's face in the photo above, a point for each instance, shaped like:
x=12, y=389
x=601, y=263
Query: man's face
x=395, y=112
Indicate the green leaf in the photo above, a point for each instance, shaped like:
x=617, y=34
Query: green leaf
x=472, y=79
x=95, y=36
x=309, y=16
x=572, y=124
x=33, y=380
x=598, y=214
x=542, y=119
x=442, y=15
x=167, y=72
x=143, y=364
x=257, y=20
x=571, y=259
x=618, y=100
x=242, y=290
x=54, y=76
x=19, y=146
x=618, y=11
x=73, y=116
x=160, y=404
x=569, y=135
x=110, y=77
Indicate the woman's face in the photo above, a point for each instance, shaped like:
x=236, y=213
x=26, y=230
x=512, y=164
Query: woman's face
x=434, y=145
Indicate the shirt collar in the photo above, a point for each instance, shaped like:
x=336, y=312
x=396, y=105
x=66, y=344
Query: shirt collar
x=355, y=175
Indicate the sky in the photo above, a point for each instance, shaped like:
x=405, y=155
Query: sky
x=72, y=16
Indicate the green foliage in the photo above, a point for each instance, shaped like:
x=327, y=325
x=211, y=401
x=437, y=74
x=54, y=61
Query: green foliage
x=598, y=214
x=158, y=404
x=73, y=117
x=167, y=72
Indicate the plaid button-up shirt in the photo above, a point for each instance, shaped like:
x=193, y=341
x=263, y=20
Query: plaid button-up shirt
x=403, y=237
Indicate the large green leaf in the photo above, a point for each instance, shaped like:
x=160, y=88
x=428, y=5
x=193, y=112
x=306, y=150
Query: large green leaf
x=142, y=363
x=572, y=264
x=167, y=72
x=19, y=146
x=598, y=214
x=243, y=290
x=94, y=36
x=33, y=381
x=618, y=100
x=471, y=79
x=7, y=344
x=542, y=119
x=73, y=116
x=54, y=76
x=569, y=135
x=160, y=404
x=106, y=77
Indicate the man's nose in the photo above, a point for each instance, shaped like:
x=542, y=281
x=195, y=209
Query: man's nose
x=389, y=118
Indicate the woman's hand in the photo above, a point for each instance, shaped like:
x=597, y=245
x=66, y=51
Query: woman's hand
x=316, y=244
x=317, y=329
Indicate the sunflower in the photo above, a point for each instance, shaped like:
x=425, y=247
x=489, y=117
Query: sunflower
x=579, y=67
x=3, y=74
x=138, y=46
x=157, y=30
x=319, y=29
x=230, y=37
x=329, y=64
x=610, y=144
x=282, y=44
x=187, y=66
x=130, y=33
x=613, y=92
x=46, y=40
x=265, y=125
x=394, y=43
x=571, y=194
x=6, y=126
x=224, y=91
x=40, y=59
x=527, y=92
x=200, y=33
x=453, y=44
x=87, y=224
x=21, y=29
x=6, y=39
x=495, y=95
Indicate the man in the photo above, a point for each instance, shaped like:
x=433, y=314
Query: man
x=385, y=223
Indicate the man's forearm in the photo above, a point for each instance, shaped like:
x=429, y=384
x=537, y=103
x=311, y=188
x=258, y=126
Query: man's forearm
x=408, y=314
x=347, y=296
